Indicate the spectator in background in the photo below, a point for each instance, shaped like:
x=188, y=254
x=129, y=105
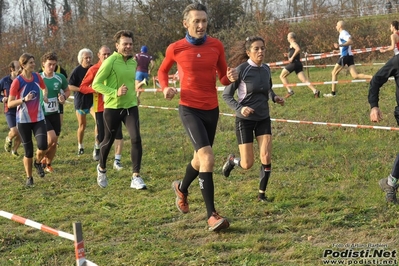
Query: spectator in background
x=145, y=64
x=26, y=93
x=98, y=108
x=13, y=135
x=82, y=102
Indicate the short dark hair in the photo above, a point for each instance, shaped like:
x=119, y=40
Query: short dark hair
x=11, y=66
x=49, y=56
x=193, y=6
x=124, y=33
x=395, y=24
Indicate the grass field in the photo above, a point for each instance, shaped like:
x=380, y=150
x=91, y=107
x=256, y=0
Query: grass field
x=323, y=191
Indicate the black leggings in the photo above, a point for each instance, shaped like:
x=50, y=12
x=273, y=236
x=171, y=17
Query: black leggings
x=100, y=128
x=112, y=120
x=395, y=168
x=39, y=130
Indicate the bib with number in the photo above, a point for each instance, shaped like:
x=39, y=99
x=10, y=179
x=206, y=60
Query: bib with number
x=51, y=106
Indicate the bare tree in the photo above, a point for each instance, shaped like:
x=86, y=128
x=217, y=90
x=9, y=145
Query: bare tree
x=67, y=12
x=3, y=8
x=52, y=19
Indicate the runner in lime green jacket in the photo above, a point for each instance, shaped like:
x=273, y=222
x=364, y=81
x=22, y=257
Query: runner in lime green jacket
x=116, y=81
x=113, y=73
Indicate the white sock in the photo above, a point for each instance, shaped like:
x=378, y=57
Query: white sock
x=118, y=157
x=236, y=161
x=80, y=146
x=392, y=181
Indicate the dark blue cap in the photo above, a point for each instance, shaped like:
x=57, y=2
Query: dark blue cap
x=144, y=49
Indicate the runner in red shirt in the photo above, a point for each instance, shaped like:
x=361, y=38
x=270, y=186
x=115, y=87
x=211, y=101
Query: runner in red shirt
x=200, y=59
x=98, y=108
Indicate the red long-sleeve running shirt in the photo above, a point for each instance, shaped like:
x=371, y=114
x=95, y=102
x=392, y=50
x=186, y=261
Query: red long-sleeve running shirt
x=197, y=66
x=85, y=88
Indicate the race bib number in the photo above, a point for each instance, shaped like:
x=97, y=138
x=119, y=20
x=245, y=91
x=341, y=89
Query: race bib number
x=51, y=106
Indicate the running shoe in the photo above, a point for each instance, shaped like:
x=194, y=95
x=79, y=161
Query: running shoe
x=7, y=145
x=137, y=183
x=96, y=154
x=329, y=95
x=44, y=162
x=101, y=177
x=81, y=151
x=262, y=199
x=181, y=198
x=39, y=169
x=217, y=222
x=289, y=94
x=15, y=154
x=389, y=190
x=49, y=169
x=118, y=165
x=317, y=94
x=228, y=166
x=29, y=181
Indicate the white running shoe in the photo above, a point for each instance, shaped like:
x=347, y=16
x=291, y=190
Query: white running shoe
x=118, y=165
x=329, y=95
x=7, y=145
x=101, y=177
x=137, y=183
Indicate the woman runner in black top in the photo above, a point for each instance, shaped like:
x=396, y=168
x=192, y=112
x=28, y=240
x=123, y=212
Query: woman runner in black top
x=294, y=57
x=254, y=89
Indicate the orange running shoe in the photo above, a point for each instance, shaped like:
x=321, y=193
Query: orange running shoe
x=217, y=222
x=181, y=198
x=49, y=169
x=289, y=94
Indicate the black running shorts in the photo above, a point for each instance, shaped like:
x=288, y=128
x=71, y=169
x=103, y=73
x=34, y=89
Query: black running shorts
x=346, y=60
x=246, y=129
x=53, y=122
x=294, y=66
x=200, y=125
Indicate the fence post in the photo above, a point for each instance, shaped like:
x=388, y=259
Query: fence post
x=79, y=244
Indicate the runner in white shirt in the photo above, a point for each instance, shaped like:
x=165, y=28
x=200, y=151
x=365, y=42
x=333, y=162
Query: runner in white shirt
x=346, y=59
